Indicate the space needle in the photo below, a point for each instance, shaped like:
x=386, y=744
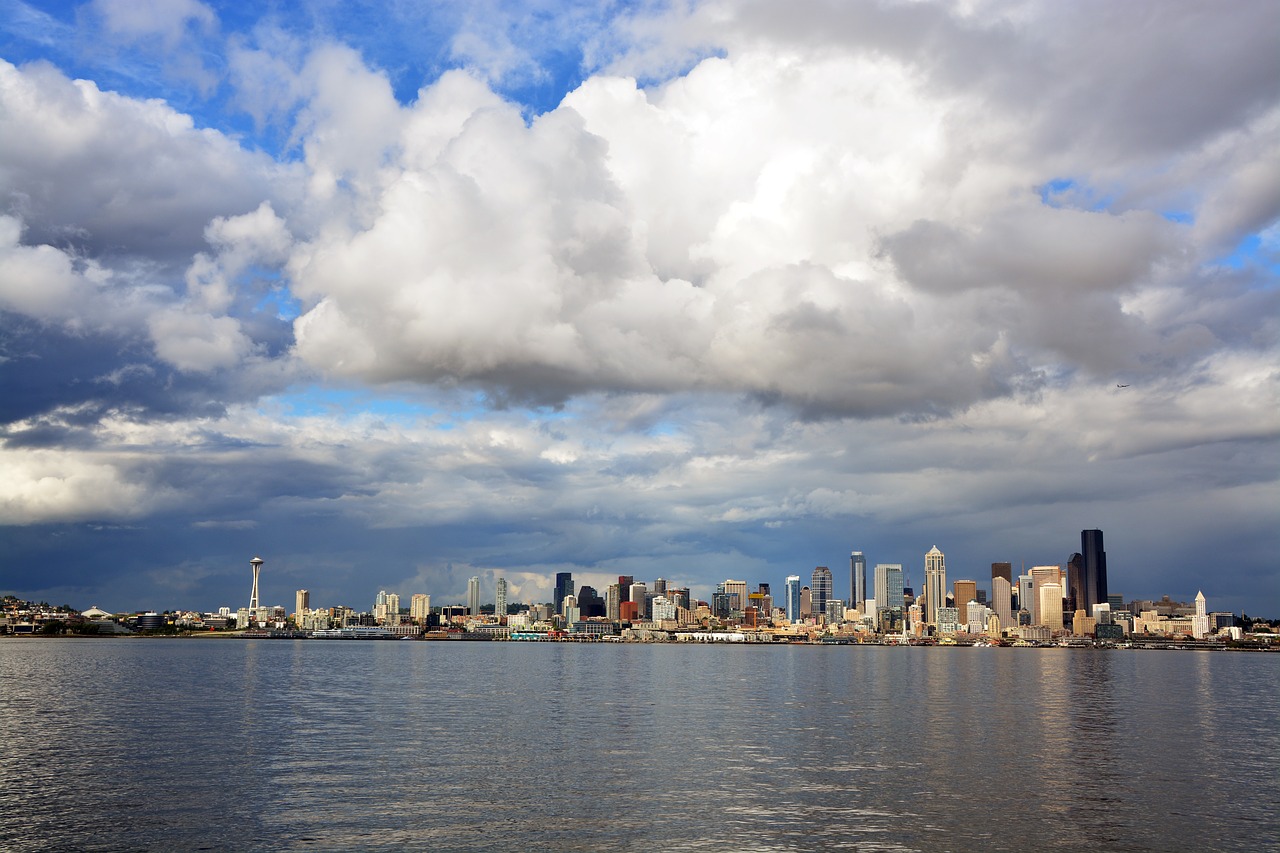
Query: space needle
x=256, y=563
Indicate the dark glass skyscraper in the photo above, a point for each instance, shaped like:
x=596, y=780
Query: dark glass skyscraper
x=1094, y=575
x=821, y=589
x=564, y=586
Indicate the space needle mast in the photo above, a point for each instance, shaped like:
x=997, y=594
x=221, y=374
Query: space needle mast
x=256, y=562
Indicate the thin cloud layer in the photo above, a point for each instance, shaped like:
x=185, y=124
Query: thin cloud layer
x=757, y=286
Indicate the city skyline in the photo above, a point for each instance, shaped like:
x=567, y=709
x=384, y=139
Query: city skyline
x=400, y=297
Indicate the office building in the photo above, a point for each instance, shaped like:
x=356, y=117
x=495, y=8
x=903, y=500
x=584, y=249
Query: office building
x=1041, y=575
x=806, y=602
x=935, y=584
x=1200, y=622
x=564, y=586
x=500, y=598
x=636, y=594
x=820, y=589
x=1050, y=605
x=857, y=579
x=624, y=587
x=1095, y=569
x=612, y=602
x=1002, y=601
x=301, y=602
x=888, y=585
x=964, y=592
x=473, y=596
x=1025, y=586
x=590, y=602
x=791, y=600
x=1002, y=570
x=737, y=592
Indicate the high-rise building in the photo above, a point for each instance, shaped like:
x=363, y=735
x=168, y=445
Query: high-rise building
x=791, y=602
x=1095, y=569
x=392, y=609
x=564, y=586
x=624, y=587
x=380, y=606
x=612, y=600
x=821, y=585
x=1041, y=575
x=419, y=608
x=1002, y=601
x=1050, y=600
x=1025, y=586
x=590, y=602
x=887, y=583
x=660, y=586
x=737, y=592
x=1075, y=582
x=500, y=598
x=965, y=591
x=806, y=602
x=473, y=596
x=1200, y=622
x=301, y=602
x=857, y=579
x=1002, y=570
x=935, y=584
x=638, y=593
x=894, y=590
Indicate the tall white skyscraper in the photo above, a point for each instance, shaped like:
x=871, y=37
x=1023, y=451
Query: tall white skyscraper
x=393, y=609
x=500, y=598
x=473, y=596
x=935, y=584
x=1200, y=622
x=301, y=602
x=792, y=601
x=857, y=579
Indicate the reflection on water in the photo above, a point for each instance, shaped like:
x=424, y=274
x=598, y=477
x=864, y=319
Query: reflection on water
x=224, y=744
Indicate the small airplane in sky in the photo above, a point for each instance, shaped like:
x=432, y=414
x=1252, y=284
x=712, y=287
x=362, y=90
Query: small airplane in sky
x=1118, y=385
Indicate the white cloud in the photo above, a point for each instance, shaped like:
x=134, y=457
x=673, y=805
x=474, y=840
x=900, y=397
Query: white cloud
x=198, y=343
x=167, y=19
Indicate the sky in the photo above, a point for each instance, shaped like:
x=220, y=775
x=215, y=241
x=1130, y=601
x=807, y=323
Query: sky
x=395, y=294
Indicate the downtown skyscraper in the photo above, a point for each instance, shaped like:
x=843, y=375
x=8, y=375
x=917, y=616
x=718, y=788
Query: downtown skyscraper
x=857, y=579
x=500, y=598
x=792, y=601
x=1094, y=574
x=821, y=588
x=935, y=584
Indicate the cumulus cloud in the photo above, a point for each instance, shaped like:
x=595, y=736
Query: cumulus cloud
x=115, y=176
x=820, y=228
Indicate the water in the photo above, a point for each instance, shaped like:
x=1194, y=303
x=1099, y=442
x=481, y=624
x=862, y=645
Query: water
x=240, y=745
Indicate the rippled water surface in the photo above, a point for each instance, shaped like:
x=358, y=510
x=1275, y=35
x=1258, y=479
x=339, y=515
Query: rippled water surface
x=243, y=744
